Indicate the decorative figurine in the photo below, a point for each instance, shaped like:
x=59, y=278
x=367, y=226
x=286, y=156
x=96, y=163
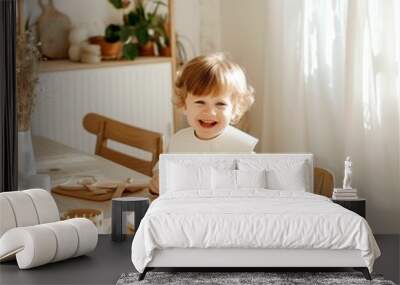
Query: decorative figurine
x=347, y=174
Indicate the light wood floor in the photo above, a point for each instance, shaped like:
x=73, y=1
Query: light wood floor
x=111, y=259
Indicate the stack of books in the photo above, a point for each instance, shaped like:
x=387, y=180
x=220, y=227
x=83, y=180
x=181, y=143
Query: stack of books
x=344, y=194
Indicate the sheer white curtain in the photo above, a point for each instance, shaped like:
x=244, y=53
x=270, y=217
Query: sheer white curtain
x=333, y=89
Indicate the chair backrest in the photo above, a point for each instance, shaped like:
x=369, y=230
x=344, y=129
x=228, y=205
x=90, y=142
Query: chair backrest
x=105, y=128
x=26, y=208
x=323, y=182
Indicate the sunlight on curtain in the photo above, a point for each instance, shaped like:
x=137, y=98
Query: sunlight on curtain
x=333, y=89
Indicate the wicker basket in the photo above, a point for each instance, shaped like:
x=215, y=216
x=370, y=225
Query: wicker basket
x=96, y=216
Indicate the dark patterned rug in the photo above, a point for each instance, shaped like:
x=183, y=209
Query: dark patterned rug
x=230, y=278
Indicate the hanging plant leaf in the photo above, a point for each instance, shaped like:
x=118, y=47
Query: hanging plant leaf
x=140, y=11
x=153, y=20
x=130, y=51
x=132, y=18
x=127, y=32
x=160, y=31
x=116, y=3
x=142, y=35
x=158, y=4
x=167, y=40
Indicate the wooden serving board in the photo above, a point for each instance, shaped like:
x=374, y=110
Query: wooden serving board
x=92, y=195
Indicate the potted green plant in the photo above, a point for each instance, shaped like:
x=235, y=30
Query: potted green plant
x=142, y=29
x=162, y=35
x=139, y=26
x=110, y=44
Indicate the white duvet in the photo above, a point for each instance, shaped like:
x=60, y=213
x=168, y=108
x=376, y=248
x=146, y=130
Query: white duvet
x=250, y=218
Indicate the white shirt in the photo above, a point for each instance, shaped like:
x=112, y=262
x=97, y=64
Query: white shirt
x=232, y=140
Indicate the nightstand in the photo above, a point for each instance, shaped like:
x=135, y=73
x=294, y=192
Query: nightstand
x=138, y=205
x=355, y=205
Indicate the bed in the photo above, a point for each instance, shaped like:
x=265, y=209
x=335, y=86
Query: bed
x=247, y=210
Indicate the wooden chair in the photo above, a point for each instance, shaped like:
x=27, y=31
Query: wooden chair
x=105, y=128
x=323, y=182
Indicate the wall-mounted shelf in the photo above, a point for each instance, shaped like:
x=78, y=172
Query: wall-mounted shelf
x=66, y=65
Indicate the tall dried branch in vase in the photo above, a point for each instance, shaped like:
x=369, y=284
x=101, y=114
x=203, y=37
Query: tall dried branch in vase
x=27, y=59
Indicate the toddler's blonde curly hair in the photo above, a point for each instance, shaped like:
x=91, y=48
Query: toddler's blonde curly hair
x=214, y=75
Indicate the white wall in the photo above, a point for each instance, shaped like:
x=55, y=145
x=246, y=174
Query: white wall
x=199, y=22
x=242, y=36
x=187, y=24
x=95, y=15
x=210, y=23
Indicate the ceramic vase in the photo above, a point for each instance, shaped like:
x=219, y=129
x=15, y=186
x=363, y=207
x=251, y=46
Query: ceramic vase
x=26, y=158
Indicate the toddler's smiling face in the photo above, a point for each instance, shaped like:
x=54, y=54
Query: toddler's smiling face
x=209, y=115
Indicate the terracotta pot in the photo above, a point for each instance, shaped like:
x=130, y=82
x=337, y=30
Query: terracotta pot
x=108, y=50
x=165, y=51
x=147, y=49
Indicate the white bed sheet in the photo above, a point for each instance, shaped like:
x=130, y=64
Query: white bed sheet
x=250, y=218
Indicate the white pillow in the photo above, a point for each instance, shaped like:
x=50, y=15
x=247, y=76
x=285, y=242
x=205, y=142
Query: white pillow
x=236, y=179
x=281, y=174
x=223, y=179
x=183, y=177
x=293, y=178
x=201, y=160
x=251, y=178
